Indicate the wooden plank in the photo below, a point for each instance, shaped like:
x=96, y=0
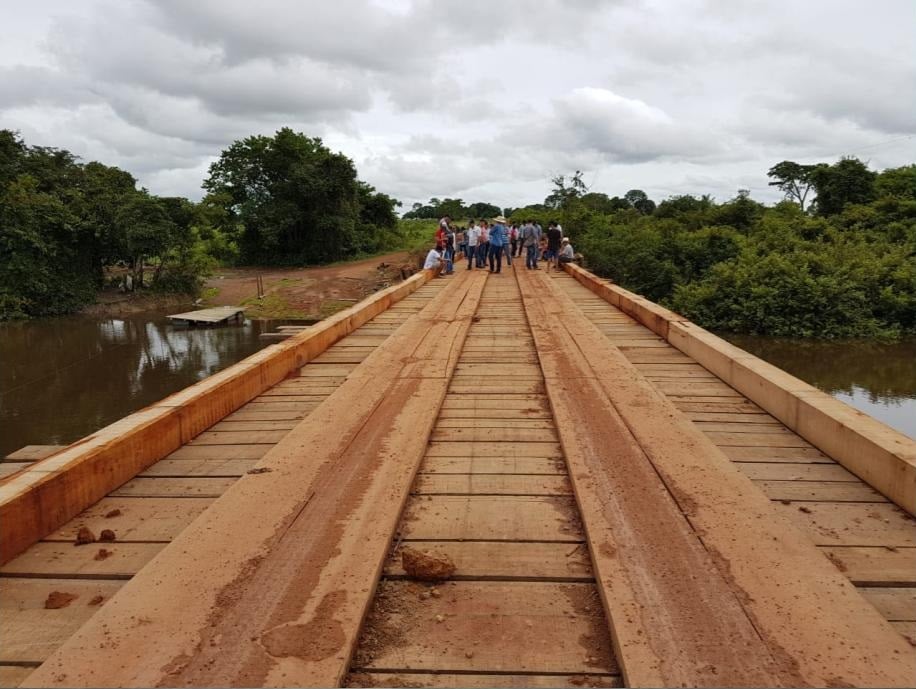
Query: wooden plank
x=239, y=437
x=254, y=425
x=10, y=468
x=29, y=631
x=62, y=560
x=494, y=449
x=744, y=417
x=199, y=467
x=147, y=519
x=875, y=566
x=479, y=681
x=509, y=415
x=481, y=620
x=480, y=517
x=741, y=427
x=14, y=675
x=896, y=604
x=156, y=487
x=493, y=465
x=785, y=471
x=502, y=420
x=534, y=403
x=758, y=439
x=906, y=629
x=853, y=523
x=219, y=452
x=489, y=386
x=489, y=484
x=775, y=454
x=820, y=491
x=32, y=453
x=216, y=314
x=292, y=553
x=506, y=433
x=782, y=622
x=481, y=560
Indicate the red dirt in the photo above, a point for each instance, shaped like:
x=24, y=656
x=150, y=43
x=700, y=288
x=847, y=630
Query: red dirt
x=96, y=600
x=112, y=514
x=426, y=566
x=103, y=554
x=84, y=536
x=107, y=536
x=305, y=289
x=59, y=599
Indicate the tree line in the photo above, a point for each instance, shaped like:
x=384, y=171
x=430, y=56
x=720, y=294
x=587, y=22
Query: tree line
x=68, y=227
x=836, y=258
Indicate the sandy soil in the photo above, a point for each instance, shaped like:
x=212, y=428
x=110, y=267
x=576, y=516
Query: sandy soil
x=303, y=292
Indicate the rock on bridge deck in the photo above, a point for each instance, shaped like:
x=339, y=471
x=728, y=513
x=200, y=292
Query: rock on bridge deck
x=617, y=514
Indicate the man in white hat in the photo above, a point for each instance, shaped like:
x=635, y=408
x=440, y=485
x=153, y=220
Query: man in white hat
x=566, y=251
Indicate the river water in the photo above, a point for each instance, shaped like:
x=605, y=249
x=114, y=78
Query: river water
x=877, y=378
x=63, y=378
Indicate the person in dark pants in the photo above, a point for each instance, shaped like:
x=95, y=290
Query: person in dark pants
x=498, y=241
x=530, y=239
x=553, y=244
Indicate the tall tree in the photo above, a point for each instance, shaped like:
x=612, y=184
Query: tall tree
x=847, y=181
x=793, y=179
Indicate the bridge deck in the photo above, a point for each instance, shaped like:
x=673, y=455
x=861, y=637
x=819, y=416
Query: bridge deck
x=493, y=490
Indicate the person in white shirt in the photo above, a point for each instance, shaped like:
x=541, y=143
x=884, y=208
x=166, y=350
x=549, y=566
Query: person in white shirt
x=434, y=261
x=472, y=237
x=566, y=252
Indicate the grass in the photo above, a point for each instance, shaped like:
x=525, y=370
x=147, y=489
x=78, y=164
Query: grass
x=332, y=306
x=273, y=306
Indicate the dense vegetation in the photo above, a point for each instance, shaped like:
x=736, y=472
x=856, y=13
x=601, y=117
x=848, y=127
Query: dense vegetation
x=453, y=208
x=841, y=265
x=63, y=222
x=66, y=226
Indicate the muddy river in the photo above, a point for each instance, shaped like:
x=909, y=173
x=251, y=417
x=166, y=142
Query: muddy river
x=63, y=378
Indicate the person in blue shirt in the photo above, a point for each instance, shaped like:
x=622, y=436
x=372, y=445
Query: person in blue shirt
x=499, y=237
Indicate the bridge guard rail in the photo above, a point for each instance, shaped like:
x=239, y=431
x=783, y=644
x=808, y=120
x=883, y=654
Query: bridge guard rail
x=879, y=455
x=44, y=496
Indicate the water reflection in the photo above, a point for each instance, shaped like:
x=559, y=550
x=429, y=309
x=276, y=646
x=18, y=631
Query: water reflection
x=877, y=378
x=63, y=378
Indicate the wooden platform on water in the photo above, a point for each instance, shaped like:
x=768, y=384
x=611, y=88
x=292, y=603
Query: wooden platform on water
x=217, y=315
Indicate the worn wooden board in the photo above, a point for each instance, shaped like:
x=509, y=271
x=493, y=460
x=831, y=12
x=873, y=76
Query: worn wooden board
x=560, y=626
x=785, y=471
x=493, y=449
x=497, y=420
x=857, y=524
x=534, y=403
x=141, y=519
x=758, y=440
x=875, y=566
x=504, y=433
x=485, y=560
x=239, y=437
x=28, y=631
x=820, y=491
x=774, y=454
x=14, y=675
x=504, y=518
x=199, y=467
x=219, y=452
x=895, y=603
x=32, y=453
x=64, y=560
x=10, y=468
x=479, y=681
x=490, y=484
x=159, y=487
x=493, y=465
x=907, y=630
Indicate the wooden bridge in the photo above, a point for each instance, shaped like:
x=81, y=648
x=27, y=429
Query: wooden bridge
x=627, y=501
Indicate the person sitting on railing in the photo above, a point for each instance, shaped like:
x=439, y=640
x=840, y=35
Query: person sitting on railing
x=567, y=255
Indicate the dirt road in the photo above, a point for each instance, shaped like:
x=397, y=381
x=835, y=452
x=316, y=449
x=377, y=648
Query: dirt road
x=302, y=292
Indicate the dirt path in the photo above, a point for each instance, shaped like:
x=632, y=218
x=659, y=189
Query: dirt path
x=303, y=292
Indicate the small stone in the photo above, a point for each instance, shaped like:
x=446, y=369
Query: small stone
x=440, y=618
x=469, y=654
x=435, y=593
x=112, y=514
x=107, y=536
x=59, y=599
x=426, y=566
x=103, y=554
x=84, y=536
x=96, y=600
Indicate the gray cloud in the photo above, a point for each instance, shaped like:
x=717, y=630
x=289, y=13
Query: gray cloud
x=473, y=97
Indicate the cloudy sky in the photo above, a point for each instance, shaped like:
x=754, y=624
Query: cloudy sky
x=479, y=99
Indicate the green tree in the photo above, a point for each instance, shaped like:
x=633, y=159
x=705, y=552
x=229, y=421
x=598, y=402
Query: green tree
x=638, y=199
x=793, y=179
x=847, y=181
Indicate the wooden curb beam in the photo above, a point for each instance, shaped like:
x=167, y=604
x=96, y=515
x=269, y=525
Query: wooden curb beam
x=881, y=456
x=704, y=582
x=45, y=495
x=270, y=585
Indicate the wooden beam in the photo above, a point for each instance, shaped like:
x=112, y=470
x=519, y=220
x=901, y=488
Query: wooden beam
x=38, y=500
x=679, y=535
x=878, y=454
x=270, y=585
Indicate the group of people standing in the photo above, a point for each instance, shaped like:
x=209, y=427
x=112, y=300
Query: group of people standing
x=483, y=242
